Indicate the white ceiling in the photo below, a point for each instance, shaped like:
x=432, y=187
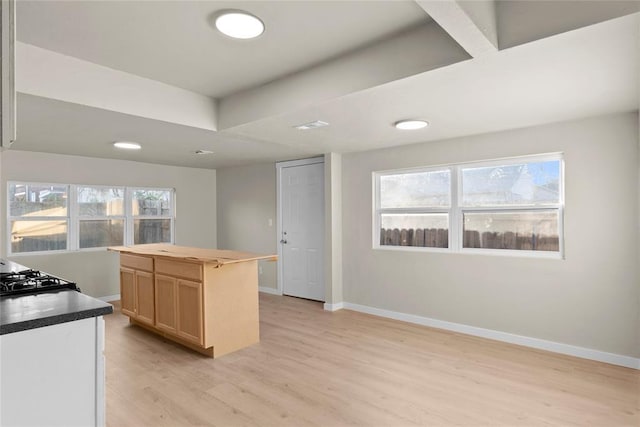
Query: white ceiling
x=173, y=42
x=588, y=71
x=577, y=74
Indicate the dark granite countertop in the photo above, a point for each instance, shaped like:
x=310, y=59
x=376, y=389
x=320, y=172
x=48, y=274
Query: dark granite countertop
x=23, y=312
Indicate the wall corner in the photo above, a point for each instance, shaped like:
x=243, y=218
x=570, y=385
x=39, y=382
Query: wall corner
x=333, y=229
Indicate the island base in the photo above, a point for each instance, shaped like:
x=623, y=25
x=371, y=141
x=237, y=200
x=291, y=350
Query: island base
x=208, y=305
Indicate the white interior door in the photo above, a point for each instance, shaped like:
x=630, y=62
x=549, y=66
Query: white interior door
x=302, y=230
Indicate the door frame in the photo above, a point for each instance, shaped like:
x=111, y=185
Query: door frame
x=279, y=167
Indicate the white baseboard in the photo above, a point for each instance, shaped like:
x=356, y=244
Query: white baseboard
x=110, y=298
x=334, y=307
x=271, y=291
x=571, y=350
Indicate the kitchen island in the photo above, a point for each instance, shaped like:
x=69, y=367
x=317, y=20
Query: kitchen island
x=204, y=299
x=51, y=353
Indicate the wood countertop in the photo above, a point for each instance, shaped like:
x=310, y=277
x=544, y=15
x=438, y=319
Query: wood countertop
x=218, y=257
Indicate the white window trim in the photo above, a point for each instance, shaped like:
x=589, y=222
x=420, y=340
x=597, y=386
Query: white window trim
x=456, y=211
x=73, y=217
x=379, y=211
x=78, y=218
x=10, y=218
x=130, y=217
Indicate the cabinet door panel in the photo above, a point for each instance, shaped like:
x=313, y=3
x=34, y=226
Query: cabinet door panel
x=127, y=292
x=189, y=311
x=145, y=297
x=166, y=303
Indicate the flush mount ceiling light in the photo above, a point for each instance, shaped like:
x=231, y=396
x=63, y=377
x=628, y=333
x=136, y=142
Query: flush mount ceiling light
x=238, y=24
x=312, y=125
x=411, y=124
x=203, y=152
x=127, y=145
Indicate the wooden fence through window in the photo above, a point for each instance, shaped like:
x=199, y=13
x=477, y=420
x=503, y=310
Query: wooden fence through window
x=439, y=238
x=428, y=237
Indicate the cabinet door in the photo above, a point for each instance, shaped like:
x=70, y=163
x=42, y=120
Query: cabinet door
x=145, y=298
x=166, y=303
x=128, y=291
x=189, y=311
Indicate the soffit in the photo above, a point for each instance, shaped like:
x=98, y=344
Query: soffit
x=52, y=126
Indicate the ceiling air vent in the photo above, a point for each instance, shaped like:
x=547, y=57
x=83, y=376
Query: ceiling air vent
x=312, y=125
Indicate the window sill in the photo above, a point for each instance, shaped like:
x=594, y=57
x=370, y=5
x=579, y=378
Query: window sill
x=58, y=252
x=468, y=251
x=414, y=249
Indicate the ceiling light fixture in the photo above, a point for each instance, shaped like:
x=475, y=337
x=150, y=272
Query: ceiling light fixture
x=411, y=124
x=239, y=24
x=203, y=152
x=312, y=125
x=127, y=145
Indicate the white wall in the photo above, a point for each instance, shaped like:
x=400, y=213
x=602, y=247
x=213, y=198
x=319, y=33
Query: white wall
x=246, y=202
x=96, y=272
x=590, y=299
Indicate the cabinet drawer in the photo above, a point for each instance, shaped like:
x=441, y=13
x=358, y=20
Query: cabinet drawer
x=188, y=270
x=136, y=262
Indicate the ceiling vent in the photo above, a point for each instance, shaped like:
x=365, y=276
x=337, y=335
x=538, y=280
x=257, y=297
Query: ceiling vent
x=312, y=125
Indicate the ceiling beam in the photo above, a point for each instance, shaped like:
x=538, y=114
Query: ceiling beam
x=398, y=57
x=472, y=24
x=49, y=74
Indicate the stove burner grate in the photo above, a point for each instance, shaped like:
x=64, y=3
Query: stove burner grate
x=32, y=282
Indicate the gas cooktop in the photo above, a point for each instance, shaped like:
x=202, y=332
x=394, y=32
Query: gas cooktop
x=16, y=279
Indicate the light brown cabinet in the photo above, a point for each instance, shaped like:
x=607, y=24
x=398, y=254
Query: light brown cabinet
x=166, y=303
x=136, y=289
x=204, y=299
x=128, y=291
x=145, y=305
x=189, y=311
x=179, y=307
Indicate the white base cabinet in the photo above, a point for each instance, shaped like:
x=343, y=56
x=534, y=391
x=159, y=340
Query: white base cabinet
x=54, y=375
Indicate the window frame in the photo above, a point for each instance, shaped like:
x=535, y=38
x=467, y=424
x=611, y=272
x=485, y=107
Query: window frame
x=129, y=223
x=378, y=211
x=457, y=210
x=79, y=218
x=11, y=218
x=74, y=218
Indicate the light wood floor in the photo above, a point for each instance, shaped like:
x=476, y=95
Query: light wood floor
x=316, y=368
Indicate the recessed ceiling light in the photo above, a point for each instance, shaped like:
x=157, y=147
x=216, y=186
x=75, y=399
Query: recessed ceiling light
x=203, y=152
x=239, y=24
x=411, y=124
x=127, y=145
x=312, y=125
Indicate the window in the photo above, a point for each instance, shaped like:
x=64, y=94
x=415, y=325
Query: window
x=506, y=206
x=152, y=216
x=512, y=206
x=414, y=208
x=101, y=216
x=38, y=217
x=55, y=217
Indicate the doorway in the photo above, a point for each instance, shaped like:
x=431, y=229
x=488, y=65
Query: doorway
x=301, y=228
